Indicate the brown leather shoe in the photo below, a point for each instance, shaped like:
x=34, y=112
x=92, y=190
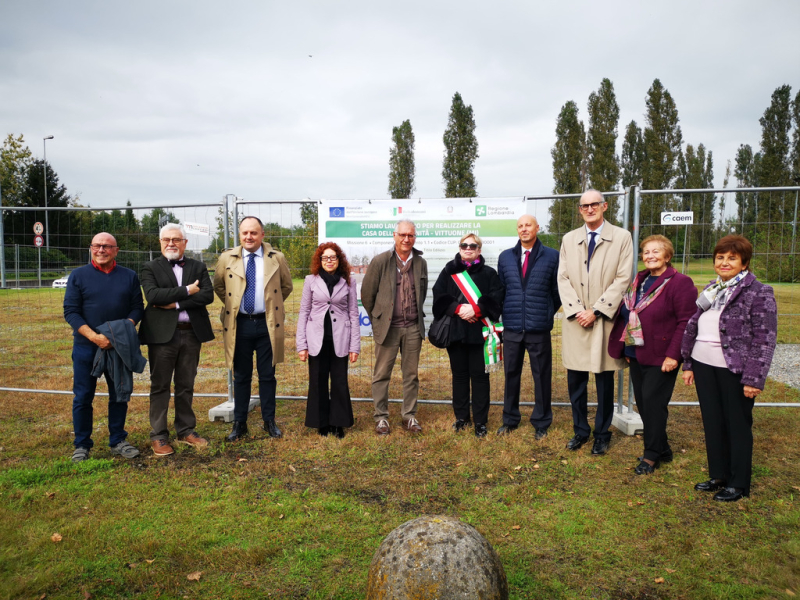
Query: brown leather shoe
x=162, y=448
x=413, y=426
x=193, y=440
x=382, y=427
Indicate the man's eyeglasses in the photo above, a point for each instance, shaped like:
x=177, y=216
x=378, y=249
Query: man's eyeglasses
x=101, y=247
x=410, y=236
x=464, y=246
x=175, y=241
x=593, y=206
x=329, y=258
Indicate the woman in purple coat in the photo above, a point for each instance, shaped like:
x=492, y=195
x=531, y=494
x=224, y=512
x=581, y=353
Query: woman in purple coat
x=327, y=336
x=648, y=333
x=727, y=349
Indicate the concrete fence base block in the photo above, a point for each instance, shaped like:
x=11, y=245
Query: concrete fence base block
x=224, y=411
x=628, y=421
x=436, y=557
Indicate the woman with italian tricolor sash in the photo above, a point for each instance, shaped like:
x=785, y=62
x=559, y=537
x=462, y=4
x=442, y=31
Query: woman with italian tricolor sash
x=469, y=291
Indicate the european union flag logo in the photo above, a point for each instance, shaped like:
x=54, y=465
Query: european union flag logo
x=337, y=212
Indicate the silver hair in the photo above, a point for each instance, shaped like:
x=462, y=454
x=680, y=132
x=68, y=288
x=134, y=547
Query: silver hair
x=171, y=226
x=409, y=221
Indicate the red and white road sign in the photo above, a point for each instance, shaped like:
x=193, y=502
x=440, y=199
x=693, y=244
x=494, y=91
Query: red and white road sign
x=38, y=241
x=38, y=228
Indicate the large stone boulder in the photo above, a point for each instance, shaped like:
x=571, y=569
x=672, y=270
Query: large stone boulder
x=436, y=558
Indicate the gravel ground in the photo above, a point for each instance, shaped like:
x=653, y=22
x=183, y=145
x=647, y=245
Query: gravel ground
x=786, y=364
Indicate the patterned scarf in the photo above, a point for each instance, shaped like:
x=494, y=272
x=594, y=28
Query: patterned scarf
x=406, y=290
x=716, y=295
x=632, y=336
x=492, y=346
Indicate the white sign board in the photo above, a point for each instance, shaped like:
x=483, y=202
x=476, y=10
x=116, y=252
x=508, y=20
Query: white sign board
x=197, y=228
x=364, y=229
x=677, y=218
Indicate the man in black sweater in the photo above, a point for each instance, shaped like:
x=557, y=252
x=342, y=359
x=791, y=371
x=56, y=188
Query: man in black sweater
x=96, y=293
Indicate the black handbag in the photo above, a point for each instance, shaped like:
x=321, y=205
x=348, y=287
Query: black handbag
x=439, y=332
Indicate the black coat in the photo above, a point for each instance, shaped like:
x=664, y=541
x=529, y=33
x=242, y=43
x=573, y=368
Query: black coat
x=160, y=288
x=447, y=297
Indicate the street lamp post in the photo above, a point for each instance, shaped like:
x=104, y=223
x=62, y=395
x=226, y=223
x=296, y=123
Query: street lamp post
x=44, y=166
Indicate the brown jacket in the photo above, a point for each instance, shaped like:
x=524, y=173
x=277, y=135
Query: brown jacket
x=378, y=291
x=229, y=285
x=599, y=289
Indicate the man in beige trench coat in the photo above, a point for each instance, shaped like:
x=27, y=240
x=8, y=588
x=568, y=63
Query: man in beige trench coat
x=253, y=281
x=594, y=271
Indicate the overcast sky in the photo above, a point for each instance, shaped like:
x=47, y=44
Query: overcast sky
x=173, y=102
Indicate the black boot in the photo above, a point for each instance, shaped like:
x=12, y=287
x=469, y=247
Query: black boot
x=239, y=431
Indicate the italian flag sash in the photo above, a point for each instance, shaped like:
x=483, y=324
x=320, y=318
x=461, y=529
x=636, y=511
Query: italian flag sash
x=492, y=347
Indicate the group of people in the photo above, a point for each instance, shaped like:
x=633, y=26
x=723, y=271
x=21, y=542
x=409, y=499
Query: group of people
x=651, y=322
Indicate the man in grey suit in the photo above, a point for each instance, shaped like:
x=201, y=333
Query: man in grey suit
x=392, y=293
x=174, y=327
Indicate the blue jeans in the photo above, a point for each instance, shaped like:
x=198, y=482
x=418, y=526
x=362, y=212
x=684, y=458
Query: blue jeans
x=84, y=386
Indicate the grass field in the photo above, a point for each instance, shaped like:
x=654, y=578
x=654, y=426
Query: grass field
x=302, y=517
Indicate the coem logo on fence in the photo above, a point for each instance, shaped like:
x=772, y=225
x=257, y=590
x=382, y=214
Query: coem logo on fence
x=677, y=218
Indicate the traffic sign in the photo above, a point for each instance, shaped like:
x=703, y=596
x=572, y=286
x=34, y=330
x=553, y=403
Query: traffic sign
x=38, y=228
x=38, y=241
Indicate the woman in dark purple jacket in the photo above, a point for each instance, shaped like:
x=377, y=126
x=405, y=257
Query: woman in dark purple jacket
x=648, y=333
x=327, y=336
x=727, y=349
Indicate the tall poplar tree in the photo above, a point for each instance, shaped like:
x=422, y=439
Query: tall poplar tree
x=662, y=146
x=795, y=156
x=401, y=161
x=632, y=160
x=460, y=152
x=568, y=155
x=696, y=171
x=746, y=173
x=601, y=144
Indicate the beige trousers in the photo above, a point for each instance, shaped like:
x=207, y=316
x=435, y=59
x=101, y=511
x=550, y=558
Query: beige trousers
x=409, y=342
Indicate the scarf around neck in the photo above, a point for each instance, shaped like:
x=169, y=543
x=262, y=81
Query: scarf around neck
x=717, y=294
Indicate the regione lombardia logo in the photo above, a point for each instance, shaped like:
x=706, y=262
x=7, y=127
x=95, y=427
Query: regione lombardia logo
x=480, y=210
x=337, y=212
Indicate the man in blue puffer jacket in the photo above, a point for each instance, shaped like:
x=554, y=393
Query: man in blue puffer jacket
x=529, y=271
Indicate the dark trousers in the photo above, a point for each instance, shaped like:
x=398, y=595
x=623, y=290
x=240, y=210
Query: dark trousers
x=84, y=387
x=469, y=367
x=328, y=408
x=540, y=353
x=652, y=390
x=577, y=383
x=728, y=424
x=178, y=357
x=252, y=335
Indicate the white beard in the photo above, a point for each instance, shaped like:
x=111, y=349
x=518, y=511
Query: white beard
x=172, y=254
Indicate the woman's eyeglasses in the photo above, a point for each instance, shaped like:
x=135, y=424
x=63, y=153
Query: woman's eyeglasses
x=470, y=246
x=329, y=258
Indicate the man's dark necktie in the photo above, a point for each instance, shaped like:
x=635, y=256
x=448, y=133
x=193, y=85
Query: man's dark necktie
x=179, y=261
x=525, y=262
x=591, y=248
x=249, y=300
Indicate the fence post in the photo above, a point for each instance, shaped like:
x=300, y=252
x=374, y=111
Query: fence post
x=226, y=230
x=3, y=246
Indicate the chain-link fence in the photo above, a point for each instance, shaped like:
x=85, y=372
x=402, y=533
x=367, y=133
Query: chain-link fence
x=35, y=341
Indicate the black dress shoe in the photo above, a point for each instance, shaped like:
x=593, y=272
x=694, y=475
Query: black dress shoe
x=239, y=431
x=599, y=447
x=272, y=429
x=337, y=432
x=730, y=494
x=645, y=468
x=480, y=431
x=461, y=424
x=712, y=485
x=504, y=429
x=577, y=442
x=540, y=434
x=664, y=458
x=323, y=431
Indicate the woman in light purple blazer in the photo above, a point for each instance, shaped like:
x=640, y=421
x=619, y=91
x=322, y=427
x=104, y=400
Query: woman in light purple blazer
x=327, y=336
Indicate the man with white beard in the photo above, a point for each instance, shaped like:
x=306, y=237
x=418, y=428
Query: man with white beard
x=174, y=327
